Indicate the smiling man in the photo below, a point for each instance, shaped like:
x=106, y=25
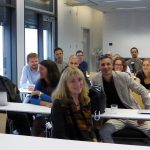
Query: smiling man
x=30, y=73
x=117, y=86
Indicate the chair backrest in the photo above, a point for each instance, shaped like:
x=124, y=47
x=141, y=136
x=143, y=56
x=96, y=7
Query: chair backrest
x=3, y=99
x=3, y=120
x=91, y=75
x=98, y=99
x=138, y=99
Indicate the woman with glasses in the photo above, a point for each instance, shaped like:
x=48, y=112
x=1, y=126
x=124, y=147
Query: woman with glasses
x=119, y=64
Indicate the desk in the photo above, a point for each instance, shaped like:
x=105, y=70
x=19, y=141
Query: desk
x=125, y=114
x=18, y=142
x=24, y=107
x=24, y=92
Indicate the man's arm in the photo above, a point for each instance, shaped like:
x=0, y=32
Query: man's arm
x=24, y=79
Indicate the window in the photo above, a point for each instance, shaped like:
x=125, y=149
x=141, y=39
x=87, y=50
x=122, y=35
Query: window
x=48, y=37
x=44, y=5
x=40, y=28
x=7, y=38
x=31, y=33
x=31, y=44
x=1, y=50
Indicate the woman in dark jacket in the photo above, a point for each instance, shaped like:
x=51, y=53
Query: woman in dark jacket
x=71, y=113
x=144, y=74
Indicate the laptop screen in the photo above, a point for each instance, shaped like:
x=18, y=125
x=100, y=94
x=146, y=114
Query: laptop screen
x=3, y=99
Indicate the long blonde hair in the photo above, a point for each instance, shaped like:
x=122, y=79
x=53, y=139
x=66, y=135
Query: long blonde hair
x=62, y=92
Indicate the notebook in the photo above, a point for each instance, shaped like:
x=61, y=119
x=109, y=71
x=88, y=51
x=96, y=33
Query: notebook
x=144, y=111
x=3, y=99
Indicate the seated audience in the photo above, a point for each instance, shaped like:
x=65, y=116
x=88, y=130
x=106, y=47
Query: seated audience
x=20, y=120
x=83, y=65
x=117, y=86
x=30, y=73
x=134, y=63
x=73, y=61
x=119, y=64
x=49, y=78
x=59, y=58
x=71, y=114
x=144, y=74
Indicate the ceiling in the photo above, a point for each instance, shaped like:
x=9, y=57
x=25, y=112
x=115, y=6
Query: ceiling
x=114, y=5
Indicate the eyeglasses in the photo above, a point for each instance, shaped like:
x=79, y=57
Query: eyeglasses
x=79, y=55
x=118, y=65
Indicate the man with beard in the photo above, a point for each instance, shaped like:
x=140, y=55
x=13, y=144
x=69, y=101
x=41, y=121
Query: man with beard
x=30, y=73
x=134, y=63
x=59, y=59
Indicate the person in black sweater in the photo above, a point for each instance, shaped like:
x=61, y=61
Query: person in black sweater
x=71, y=111
x=144, y=74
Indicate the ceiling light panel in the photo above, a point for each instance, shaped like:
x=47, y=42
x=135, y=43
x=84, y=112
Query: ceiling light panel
x=112, y=5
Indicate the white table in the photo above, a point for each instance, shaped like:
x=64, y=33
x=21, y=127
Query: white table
x=125, y=114
x=24, y=91
x=18, y=142
x=24, y=107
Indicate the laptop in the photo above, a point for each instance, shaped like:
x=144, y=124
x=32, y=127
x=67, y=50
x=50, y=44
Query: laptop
x=3, y=99
x=144, y=111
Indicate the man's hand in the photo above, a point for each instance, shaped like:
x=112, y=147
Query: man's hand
x=31, y=87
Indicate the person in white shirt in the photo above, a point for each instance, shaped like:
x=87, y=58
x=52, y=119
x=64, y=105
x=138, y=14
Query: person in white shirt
x=30, y=73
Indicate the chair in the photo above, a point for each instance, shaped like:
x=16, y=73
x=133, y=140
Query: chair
x=129, y=135
x=91, y=75
x=138, y=99
x=3, y=120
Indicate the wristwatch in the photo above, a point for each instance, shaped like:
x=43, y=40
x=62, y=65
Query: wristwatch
x=40, y=93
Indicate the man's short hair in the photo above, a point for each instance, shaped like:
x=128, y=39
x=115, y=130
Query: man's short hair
x=134, y=48
x=79, y=51
x=57, y=49
x=31, y=55
x=105, y=56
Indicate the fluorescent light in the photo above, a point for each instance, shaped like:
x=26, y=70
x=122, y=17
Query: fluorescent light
x=131, y=8
x=113, y=1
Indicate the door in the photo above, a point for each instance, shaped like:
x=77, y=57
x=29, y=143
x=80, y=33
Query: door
x=86, y=46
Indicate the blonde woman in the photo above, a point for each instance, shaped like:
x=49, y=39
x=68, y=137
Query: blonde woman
x=71, y=114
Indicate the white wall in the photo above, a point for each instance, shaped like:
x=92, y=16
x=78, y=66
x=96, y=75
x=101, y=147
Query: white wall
x=71, y=21
x=20, y=38
x=126, y=30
